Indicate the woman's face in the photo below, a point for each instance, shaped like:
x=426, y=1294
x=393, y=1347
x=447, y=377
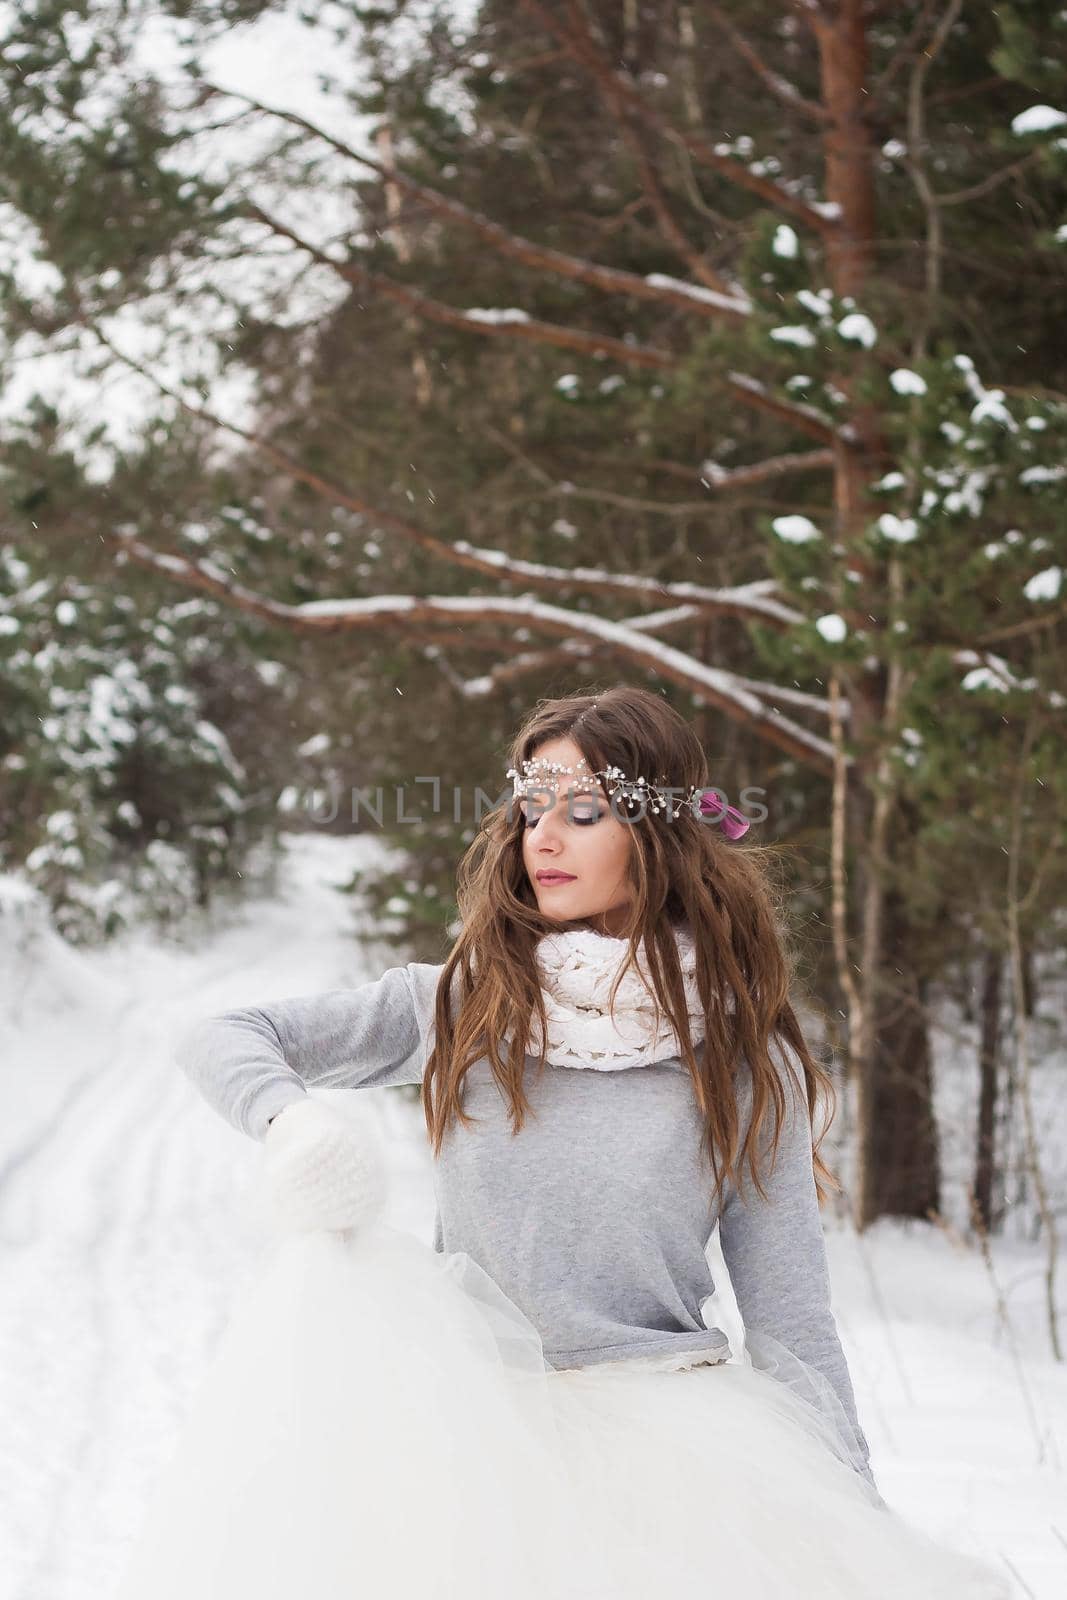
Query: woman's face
x=584, y=840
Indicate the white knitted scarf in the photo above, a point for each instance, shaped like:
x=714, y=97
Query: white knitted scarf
x=577, y=968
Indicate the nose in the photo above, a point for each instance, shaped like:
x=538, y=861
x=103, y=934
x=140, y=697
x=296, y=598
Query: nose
x=545, y=836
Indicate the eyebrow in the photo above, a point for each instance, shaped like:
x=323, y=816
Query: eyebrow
x=582, y=794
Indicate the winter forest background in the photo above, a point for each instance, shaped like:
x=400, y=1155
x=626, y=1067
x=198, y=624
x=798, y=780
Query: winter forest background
x=372, y=371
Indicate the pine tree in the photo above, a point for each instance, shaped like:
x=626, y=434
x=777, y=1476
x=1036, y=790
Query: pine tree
x=713, y=335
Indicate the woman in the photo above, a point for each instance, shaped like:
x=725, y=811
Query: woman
x=609, y=1065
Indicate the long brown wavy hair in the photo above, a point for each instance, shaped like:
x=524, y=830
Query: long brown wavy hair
x=684, y=871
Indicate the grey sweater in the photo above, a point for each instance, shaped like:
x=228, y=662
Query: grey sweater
x=596, y=1217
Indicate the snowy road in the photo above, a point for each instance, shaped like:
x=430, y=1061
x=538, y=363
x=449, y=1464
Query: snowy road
x=128, y=1227
x=128, y=1220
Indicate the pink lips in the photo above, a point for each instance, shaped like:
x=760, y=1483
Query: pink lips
x=555, y=877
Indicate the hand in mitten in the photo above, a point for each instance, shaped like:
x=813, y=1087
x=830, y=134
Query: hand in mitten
x=323, y=1170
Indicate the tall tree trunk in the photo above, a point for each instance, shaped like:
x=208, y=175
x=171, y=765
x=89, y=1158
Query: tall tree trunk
x=904, y=1178
x=889, y=1046
x=1029, y=992
x=988, y=1065
x=898, y=1166
x=847, y=145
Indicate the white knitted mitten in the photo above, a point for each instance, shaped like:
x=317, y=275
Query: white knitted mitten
x=323, y=1170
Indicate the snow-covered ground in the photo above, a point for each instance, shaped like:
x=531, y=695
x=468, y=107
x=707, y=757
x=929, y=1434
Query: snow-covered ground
x=129, y=1225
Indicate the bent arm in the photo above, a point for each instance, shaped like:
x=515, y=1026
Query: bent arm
x=776, y=1253
x=249, y=1063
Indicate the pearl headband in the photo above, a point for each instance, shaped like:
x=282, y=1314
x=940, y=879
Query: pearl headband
x=538, y=773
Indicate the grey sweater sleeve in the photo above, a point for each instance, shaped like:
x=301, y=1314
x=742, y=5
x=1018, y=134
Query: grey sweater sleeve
x=775, y=1250
x=249, y=1063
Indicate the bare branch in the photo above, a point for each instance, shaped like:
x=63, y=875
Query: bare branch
x=421, y=377
x=714, y=298
x=714, y=685
x=1016, y=630
x=780, y=87
x=985, y=185
x=902, y=54
x=491, y=324
x=654, y=194
x=670, y=228
x=916, y=165
x=613, y=83
x=711, y=475
x=724, y=225
x=963, y=91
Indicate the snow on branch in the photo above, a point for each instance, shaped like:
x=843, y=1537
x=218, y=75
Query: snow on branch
x=548, y=660
x=744, y=600
x=752, y=602
x=647, y=622
x=570, y=649
x=806, y=419
x=504, y=324
x=713, y=476
x=725, y=301
x=695, y=297
x=801, y=699
x=988, y=670
x=713, y=685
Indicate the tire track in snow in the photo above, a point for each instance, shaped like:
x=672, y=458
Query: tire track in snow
x=135, y=1125
x=128, y=1236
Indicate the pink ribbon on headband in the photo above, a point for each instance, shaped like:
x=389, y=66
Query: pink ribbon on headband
x=731, y=822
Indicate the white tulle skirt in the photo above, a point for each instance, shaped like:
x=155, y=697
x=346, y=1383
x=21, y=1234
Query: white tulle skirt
x=379, y=1421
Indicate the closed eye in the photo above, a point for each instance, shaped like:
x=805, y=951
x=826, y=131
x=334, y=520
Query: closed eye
x=582, y=821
